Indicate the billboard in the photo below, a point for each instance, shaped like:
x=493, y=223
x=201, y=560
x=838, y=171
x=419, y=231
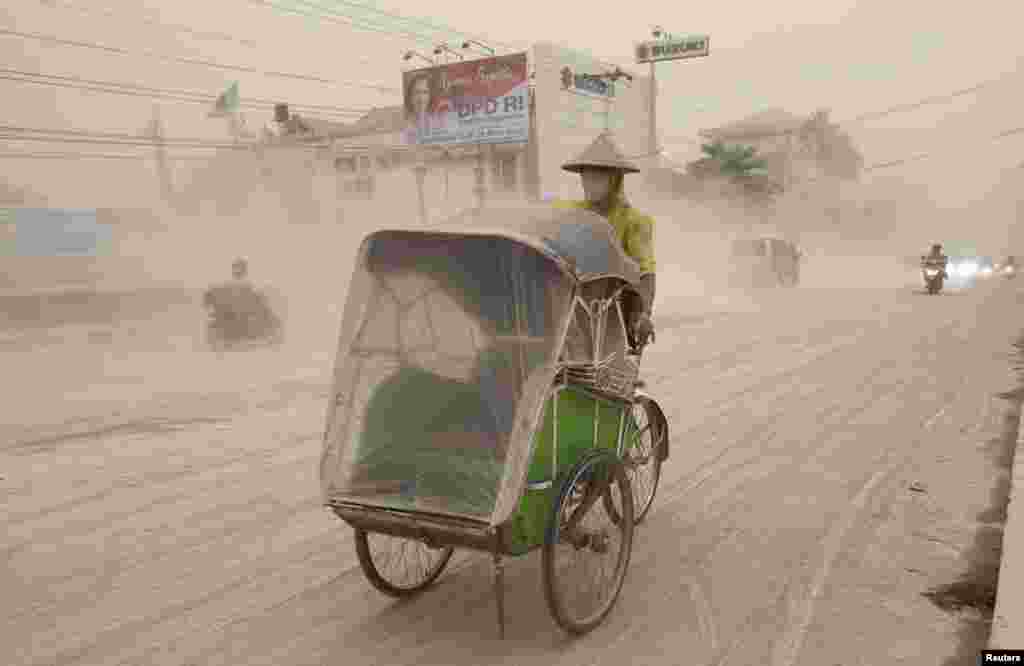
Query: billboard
x=476, y=102
x=47, y=232
x=673, y=48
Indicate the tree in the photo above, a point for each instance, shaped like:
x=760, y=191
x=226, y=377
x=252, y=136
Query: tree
x=739, y=169
x=734, y=161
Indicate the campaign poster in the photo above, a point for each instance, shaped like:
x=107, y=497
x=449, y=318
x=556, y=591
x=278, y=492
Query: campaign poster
x=482, y=101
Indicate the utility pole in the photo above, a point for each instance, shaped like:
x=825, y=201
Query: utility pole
x=163, y=168
x=653, y=142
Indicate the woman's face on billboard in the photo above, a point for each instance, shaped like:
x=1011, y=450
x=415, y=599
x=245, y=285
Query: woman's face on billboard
x=420, y=96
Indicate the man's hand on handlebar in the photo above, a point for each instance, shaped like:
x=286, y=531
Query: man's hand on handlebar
x=643, y=330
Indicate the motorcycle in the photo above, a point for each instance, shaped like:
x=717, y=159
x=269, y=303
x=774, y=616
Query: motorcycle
x=234, y=322
x=934, y=277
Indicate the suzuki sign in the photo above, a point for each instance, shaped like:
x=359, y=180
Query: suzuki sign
x=673, y=48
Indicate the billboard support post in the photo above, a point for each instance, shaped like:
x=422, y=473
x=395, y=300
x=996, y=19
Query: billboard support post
x=653, y=139
x=421, y=176
x=667, y=47
x=481, y=178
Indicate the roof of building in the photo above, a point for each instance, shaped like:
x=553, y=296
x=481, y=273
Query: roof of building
x=761, y=124
x=381, y=120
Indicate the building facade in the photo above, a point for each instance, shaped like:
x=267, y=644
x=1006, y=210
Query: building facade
x=570, y=105
x=795, y=148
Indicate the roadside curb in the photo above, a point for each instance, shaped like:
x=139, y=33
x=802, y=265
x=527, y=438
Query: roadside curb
x=1008, y=617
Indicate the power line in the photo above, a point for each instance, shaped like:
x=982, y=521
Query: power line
x=322, y=11
x=910, y=106
x=103, y=156
x=335, y=16
x=134, y=90
x=122, y=142
x=935, y=99
x=110, y=13
x=918, y=157
x=439, y=27
x=18, y=133
x=195, y=62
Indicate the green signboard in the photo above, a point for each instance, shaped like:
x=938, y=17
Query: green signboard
x=673, y=48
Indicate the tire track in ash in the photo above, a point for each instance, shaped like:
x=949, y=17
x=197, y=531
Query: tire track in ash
x=76, y=591
x=787, y=651
x=709, y=514
x=715, y=468
x=718, y=505
x=329, y=629
x=153, y=483
x=163, y=494
x=791, y=604
x=844, y=411
x=118, y=618
x=285, y=410
x=835, y=536
x=729, y=406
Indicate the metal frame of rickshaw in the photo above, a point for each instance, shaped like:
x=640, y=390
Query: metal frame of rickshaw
x=442, y=531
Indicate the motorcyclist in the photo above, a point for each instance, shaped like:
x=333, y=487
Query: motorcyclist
x=936, y=258
x=602, y=169
x=236, y=301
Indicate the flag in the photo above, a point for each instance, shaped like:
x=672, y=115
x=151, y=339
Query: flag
x=227, y=103
x=8, y=231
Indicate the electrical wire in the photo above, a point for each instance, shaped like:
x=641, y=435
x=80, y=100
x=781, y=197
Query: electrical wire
x=918, y=157
x=122, y=142
x=102, y=156
x=403, y=34
x=194, y=62
x=177, y=28
x=134, y=90
x=438, y=27
x=912, y=106
x=18, y=133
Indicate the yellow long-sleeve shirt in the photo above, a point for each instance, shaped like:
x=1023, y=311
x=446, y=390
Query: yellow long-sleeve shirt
x=634, y=230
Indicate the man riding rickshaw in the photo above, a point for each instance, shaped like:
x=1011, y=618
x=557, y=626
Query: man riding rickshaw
x=602, y=169
x=485, y=395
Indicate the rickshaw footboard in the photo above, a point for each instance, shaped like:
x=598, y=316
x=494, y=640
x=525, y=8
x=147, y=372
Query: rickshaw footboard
x=435, y=531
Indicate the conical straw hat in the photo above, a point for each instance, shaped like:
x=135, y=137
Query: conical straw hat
x=602, y=154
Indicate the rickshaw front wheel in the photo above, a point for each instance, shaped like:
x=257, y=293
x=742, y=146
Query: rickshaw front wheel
x=587, y=551
x=398, y=567
x=642, y=459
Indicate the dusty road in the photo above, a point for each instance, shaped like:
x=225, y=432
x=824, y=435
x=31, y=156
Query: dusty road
x=783, y=532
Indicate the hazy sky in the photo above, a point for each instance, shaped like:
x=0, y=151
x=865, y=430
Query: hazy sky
x=853, y=57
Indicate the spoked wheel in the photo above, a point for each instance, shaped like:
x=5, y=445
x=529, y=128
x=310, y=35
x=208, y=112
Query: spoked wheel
x=399, y=567
x=586, y=551
x=640, y=457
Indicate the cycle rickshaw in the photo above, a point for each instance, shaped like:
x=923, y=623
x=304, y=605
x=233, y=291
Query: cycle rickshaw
x=485, y=396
